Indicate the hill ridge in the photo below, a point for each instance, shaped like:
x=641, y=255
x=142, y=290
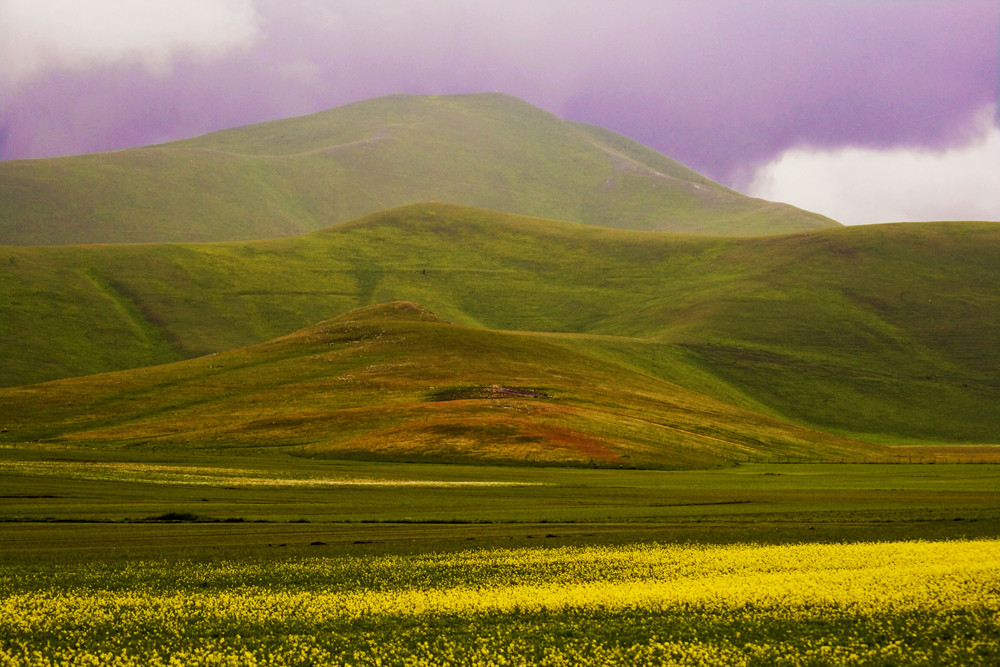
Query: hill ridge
x=883, y=333
x=393, y=381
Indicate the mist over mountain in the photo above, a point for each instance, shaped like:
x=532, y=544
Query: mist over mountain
x=297, y=175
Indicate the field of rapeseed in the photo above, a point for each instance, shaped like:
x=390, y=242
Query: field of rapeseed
x=872, y=603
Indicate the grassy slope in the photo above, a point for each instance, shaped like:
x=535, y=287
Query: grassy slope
x=887, y=332
x=888, y=329
x=292, y=176
x=395, y=381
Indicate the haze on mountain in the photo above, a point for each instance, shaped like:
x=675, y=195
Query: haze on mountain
x=292, y=176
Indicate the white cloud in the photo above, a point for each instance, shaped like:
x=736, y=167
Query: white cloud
x=36, y=35
x=862, y=185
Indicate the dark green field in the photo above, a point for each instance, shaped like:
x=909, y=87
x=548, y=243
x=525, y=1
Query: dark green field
x=69, y=505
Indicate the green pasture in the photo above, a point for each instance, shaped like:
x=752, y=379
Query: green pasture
x=73, y=505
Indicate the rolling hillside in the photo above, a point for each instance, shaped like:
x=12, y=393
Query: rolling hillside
x=393, y=381
x=293, y=176
x=888, y=333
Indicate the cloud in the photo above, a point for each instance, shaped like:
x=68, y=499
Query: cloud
x=720, y=85
x=40, y=35
x=865, y=185
x=728, y=85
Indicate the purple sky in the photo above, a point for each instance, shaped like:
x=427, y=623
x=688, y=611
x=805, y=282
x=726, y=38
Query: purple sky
x=728, y=87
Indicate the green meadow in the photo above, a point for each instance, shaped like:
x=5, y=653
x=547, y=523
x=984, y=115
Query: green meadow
x=82, y=506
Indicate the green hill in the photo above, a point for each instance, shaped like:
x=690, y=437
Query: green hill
x=887, y=333
x=394, y=381
x=293, y=176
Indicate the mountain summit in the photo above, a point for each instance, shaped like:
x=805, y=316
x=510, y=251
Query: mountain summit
x=291, y=176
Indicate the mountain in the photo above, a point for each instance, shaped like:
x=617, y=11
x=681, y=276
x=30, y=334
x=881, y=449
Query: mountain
x=394, y=381
x=887, y=333
x=302, y=174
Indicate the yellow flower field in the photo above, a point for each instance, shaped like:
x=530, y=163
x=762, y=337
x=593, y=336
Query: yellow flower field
x=873, y=603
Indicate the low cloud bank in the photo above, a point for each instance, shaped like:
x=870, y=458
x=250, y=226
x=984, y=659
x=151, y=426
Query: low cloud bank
x=855, y=185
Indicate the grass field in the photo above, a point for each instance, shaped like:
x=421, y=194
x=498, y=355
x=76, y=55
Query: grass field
x=168, y=558
x=60, y=505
